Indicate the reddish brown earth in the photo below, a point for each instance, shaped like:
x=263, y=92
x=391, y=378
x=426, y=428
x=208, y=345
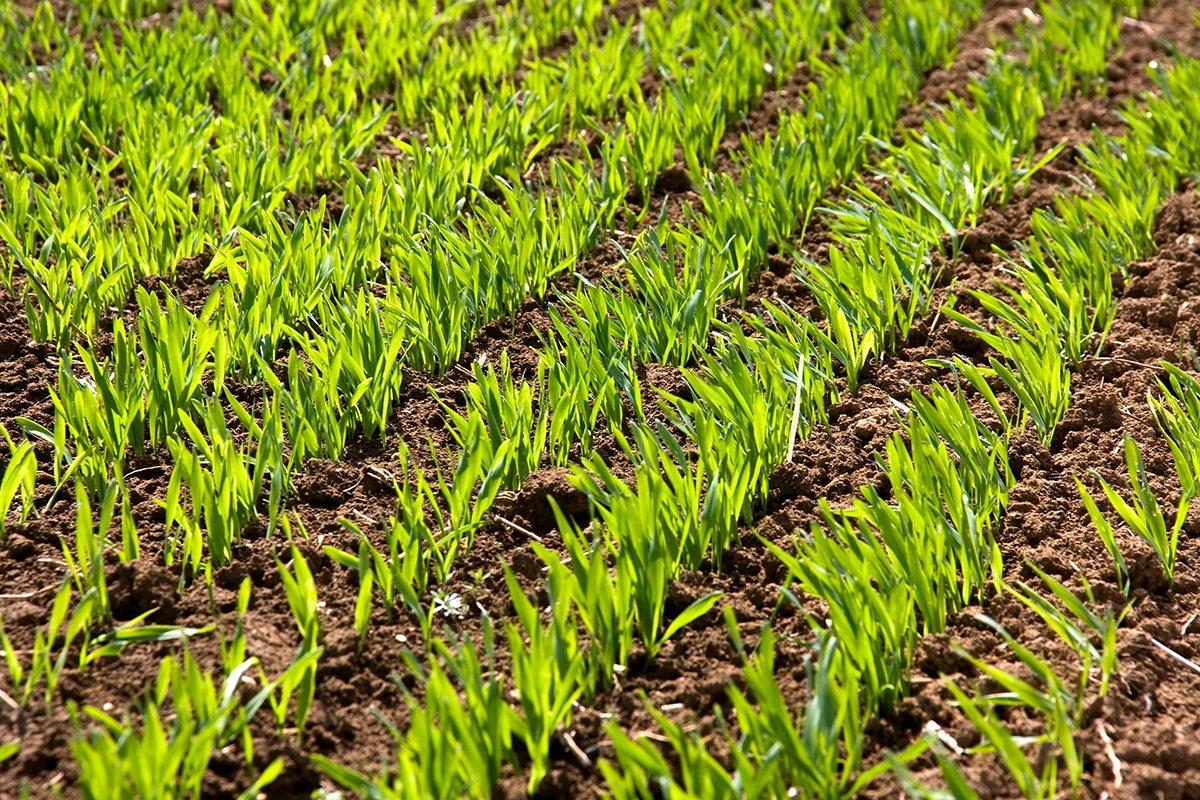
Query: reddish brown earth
x=1151, y=714
x=88, y=31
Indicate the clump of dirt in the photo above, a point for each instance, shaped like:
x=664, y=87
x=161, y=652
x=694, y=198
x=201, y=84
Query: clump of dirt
x=27, y=369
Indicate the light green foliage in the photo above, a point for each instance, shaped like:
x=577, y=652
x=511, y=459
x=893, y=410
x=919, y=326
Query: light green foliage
x=887, y=571
x=18, y=480
x=453, y=747
x=948, y=480
x=641, y=770
x=69, y=638
x=224, y=482
x=820, y=750
x=1080, y=35
x=876, y=624
x=168, y=755
x=604, y=600
x=870, y=293
x=944, y=174
x=1092, y=636
x=1059, y=706
x=86, y=560
x=433, y=521
x=1141, y=513
x=547, y=671
x=813, y=754
x=162, y=759
x=65, y=626
x=475, y=154
x=672, y=297
x=357, y=358
x=957, y=786
x=1033, y=369
x=413, y=561
x=1060, y=307
x=500, y=422
x=1176, y=409
x=301, y=681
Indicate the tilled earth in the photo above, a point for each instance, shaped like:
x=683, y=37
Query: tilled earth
x=1141, y=740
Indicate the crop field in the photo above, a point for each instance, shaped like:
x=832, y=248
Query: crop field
x=638, y=399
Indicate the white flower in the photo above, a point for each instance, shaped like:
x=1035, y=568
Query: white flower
x=449, y=604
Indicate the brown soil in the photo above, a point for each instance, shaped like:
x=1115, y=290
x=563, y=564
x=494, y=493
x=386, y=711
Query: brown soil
x=1152, y=711
x=89, y=32
x=1150, y=715
x=1161, y=30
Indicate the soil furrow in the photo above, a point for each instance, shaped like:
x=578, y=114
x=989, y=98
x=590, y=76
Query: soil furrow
x=1151, y=714
x=1160, y=30
x=836, y=464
